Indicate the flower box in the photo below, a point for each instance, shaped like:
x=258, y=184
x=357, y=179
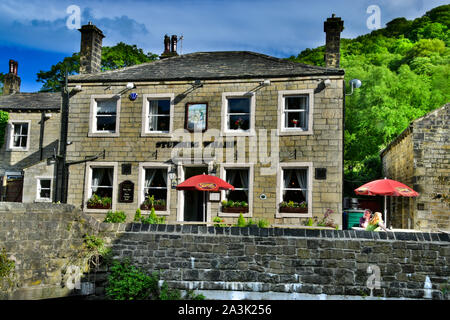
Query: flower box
x=98, y=206
x=293, y=210
x=235, y=209
x=157, y=207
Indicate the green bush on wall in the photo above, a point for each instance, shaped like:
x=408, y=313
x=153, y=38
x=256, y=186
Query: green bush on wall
x=4, y=117
x=115, y=217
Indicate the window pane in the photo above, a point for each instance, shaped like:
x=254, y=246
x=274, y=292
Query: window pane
x=238, y=105
x=238, y=178
x=44, y=193
x=237, y=195
x=156, y=178
x=45, y=184
x=295, y=179
x=106, y=106
x=163, y=106
x=239, y=122
x=159, y=123
x=296, y=120
x=296, y=102
x=102, y=177
x=294, y=195
x=106, y=123
x=158, y=194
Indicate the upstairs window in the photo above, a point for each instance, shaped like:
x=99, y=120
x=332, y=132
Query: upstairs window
x=238, y=114
x=106, y=115
x=158, y=119
x=19, y=135
x=296, y=112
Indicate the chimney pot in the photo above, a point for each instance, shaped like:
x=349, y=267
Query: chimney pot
x=11, y=82
x=173, y=47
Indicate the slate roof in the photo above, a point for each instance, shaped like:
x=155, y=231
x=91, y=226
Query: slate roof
x=31, y=101
x=209, y=65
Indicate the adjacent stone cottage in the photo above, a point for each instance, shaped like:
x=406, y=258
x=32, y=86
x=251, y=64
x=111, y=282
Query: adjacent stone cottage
x=27, y=157
x=270, y=127
x=420, y=157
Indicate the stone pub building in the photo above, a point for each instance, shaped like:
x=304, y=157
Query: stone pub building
x=270, y=127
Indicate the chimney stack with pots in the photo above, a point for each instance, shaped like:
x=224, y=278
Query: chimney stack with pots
x=90, y=49
x=170, y=47
x=333, y=28
x=11, y=83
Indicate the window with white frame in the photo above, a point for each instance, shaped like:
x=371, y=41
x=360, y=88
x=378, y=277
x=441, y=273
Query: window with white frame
x=294, y=186
x=102, y=181
x=44, y=189
x=239, y=179
x=19, y=135
x=238, y=113
x=158, y=115
x=155, y=184
x=295, y=112
x=106, y=115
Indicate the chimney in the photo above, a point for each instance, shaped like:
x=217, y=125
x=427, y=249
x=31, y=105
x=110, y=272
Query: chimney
x=90, y=49
x=170, y=47
x=333, y=28
x=11, y=83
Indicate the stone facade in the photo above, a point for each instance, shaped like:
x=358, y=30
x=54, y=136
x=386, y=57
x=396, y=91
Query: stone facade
x=321, y=148
x=40, y=147
x=44, y=239
x=420, y=158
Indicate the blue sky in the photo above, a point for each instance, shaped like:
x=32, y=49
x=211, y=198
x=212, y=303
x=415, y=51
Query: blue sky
x=36, y=35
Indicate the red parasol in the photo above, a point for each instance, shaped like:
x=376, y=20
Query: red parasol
x=204, y=182
x=386, y=187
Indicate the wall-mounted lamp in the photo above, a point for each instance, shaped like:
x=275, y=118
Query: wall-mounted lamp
x=130, y=85
x=265, y=83
x=327, y=82
x=354, y=83
x=172, y=175
x=47, y=116
x=197, y=84
x=69, y=143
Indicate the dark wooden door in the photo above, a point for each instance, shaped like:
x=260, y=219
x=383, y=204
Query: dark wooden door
x=14, y=189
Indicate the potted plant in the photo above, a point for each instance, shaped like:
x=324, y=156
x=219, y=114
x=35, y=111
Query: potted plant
x=238, y=123
x=150, y=202
x=97, y=202
x=294, y=207
x=231, y=206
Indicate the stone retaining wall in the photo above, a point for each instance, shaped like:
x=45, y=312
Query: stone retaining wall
x=330, y=262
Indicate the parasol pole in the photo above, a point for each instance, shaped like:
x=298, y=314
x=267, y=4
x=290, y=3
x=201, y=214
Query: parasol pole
x=385, y=209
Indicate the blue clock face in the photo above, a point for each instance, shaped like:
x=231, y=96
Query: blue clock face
x=133, y=96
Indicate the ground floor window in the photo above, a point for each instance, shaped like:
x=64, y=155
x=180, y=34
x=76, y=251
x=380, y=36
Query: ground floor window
x=240, y=199
x=44, y=189
x=155, y=188
x=295, y=185
x=239, y=179
x=101, y=188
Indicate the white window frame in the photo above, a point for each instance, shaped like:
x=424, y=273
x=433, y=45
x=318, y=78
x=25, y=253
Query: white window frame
x=145, y=132
x=294, y=165
x=88, y=184
x=93, y=116
x=250, y=167
x=281, y=115
x=38, y=189
x=225, y=128
x=141, y=183
x=11, y=146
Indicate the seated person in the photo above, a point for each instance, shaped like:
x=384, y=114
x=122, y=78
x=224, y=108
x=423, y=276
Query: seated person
x=376, y=223
x=364, y=220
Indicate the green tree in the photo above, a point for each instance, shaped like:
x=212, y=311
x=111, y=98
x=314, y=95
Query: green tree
x=404, y=69
x=119, y=56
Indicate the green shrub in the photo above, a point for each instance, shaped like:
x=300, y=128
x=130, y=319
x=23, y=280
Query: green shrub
x=127, y=282
x=138, y=216
x=241, y=221
x=263, y=223
x=218, y=222
x=4, y=116
x=115, y=217
x=7, y=267
x=153, y=218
